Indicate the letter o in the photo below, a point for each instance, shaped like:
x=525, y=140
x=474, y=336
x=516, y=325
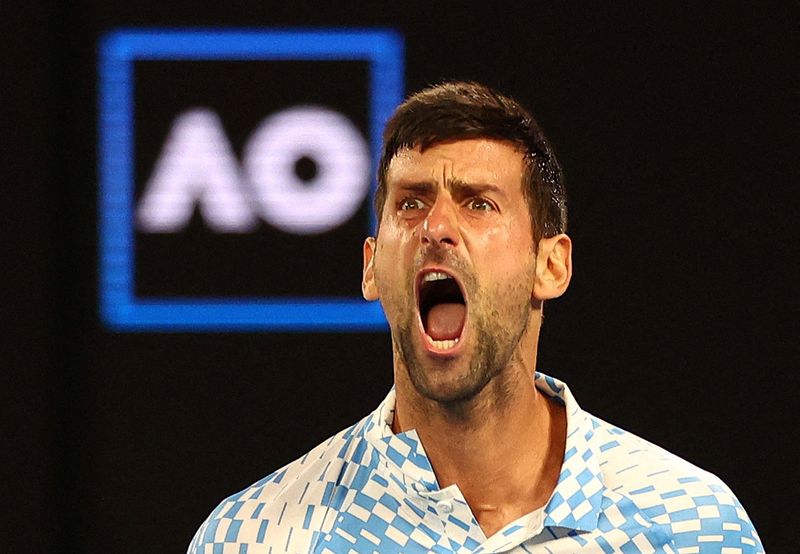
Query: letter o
x=342, y=179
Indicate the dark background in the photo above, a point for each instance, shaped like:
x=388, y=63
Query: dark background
x=242, y=93
x=677, y=128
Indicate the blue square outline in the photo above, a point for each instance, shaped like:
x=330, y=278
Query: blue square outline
x=120, y=310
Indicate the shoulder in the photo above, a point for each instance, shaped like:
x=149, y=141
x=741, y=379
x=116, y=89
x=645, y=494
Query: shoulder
x=695, y=505
x=284, y=507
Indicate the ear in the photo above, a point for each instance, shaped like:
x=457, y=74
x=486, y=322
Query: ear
x=368, y=287
x=553, y=267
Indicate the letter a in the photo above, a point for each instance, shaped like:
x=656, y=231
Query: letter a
x=196, y=166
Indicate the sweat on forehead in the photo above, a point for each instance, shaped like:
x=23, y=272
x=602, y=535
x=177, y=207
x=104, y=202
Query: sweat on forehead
x=475, y=164
x=455, y=111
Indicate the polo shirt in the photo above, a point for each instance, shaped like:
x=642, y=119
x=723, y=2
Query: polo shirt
x=368, y=490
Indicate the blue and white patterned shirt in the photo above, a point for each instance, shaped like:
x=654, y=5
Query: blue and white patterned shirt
x=369, y=490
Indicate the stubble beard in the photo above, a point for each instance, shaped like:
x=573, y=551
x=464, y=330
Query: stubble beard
x=493, y=347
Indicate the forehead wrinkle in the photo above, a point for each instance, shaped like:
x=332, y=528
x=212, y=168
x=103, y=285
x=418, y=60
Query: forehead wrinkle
x=418, y=187
x=440, y=174
x=460, y=187
x=455, y=186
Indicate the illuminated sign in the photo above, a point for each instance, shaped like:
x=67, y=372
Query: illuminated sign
x=237, y=176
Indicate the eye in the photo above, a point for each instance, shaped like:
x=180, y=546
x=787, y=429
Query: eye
x=411, y=204
x=480, y=204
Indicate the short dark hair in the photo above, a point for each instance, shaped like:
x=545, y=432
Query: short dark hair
x=463, y=110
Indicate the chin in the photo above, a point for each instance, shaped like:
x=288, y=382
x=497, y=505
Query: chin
x=447, y=381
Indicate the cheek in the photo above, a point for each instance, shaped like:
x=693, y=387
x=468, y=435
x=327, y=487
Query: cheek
x=391, y=267
x=506, y=245
x=393, y=245
x=510, y=263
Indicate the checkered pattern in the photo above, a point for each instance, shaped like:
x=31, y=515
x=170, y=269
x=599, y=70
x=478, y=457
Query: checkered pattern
x=367, y=490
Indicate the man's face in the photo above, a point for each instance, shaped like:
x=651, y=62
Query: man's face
x=454, y=264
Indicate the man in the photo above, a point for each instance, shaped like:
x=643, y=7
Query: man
x=473, y=451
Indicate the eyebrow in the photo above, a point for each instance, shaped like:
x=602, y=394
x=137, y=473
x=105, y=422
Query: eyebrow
x=469, y=189
x=455, y=186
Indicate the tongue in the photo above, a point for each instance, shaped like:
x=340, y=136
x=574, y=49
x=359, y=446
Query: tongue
x=445, y=321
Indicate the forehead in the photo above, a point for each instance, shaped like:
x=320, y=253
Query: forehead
x=481, y=160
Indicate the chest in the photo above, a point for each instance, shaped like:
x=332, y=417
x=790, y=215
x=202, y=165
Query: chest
x=386, y=516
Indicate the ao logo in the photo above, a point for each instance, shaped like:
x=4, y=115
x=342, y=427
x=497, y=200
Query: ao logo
x=198, y=167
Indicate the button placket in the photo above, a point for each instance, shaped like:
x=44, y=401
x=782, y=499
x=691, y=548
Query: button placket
x=444, y=506
x=419, y=488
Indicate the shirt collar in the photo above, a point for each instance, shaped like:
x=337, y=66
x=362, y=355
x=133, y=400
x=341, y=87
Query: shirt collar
x=403, y=451
x=575, y=502
x=577, y=499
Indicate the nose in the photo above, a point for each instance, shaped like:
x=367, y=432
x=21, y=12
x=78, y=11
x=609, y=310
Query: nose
x=441, y=224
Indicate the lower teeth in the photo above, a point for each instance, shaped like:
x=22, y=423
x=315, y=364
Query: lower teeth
x=444, y=344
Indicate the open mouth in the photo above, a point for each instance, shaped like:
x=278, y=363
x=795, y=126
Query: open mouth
x=442, y=309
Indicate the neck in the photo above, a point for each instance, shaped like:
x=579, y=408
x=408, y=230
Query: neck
x=503, y=447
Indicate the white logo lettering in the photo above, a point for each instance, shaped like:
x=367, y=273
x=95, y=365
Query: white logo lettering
x=197, y=166
x=342, y=176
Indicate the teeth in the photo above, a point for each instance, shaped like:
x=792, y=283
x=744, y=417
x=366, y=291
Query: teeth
x=435, y=276
x=444, y=344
